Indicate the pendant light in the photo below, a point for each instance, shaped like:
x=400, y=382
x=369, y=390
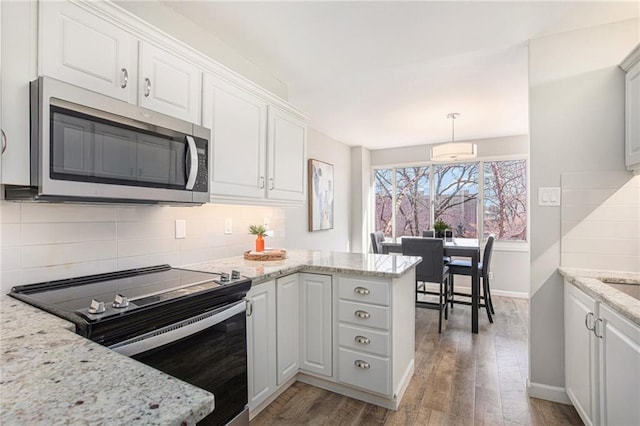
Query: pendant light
x=453, y=151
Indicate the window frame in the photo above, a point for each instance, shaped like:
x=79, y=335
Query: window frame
x=501, y=245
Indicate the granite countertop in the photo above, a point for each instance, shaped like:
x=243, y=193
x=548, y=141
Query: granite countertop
x=50, y=375
x=373, y=265
x=593, y=281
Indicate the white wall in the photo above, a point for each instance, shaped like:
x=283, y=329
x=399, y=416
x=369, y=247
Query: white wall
x=362, y=204
x=601, y=221
x=297, y=235
x=41, y=241
x=576, y=124
x=166, y=19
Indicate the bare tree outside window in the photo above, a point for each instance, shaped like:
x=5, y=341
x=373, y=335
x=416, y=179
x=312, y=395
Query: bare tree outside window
x=412, y=201
x=384, y=201
x=505, y=199
x=456, y=197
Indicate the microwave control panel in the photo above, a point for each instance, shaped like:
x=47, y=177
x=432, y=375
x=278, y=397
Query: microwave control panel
x=202, y=179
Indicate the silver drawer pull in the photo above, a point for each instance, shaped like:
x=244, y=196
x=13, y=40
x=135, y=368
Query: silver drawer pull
x=362, y=364
x=362, y=340
x=125, y=78
x=361, y=290
x=362, y=314
x=147, y=87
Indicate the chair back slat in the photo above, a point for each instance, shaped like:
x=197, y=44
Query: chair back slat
x=377, y=238
x=431, y=250
x=486, y=256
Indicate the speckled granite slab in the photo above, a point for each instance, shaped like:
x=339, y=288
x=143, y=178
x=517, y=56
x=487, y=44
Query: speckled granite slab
x=49, y=375
x=593, y=282
x=373, y=265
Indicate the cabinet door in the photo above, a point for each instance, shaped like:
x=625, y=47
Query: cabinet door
x=261, y=343
x=238, y=123
x=580, y=352
x=169, y=84
x=80, y=48
x=18, y=52
x=286, y=150
x=619, y=369
x=288, y=319
x=316, y=324
x=632, y=133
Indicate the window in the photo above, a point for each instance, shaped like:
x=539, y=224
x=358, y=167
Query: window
x=477, y=199
x=505, y=199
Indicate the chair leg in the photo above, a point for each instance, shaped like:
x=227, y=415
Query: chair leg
x=444, y=289
x=451, y=289
x=487, y=303
x=489, y=294
x=440, y=311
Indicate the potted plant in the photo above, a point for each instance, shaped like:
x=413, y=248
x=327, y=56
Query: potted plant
x=440, y=226
x=261, y=232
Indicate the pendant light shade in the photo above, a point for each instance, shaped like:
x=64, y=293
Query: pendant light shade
x=453, y=151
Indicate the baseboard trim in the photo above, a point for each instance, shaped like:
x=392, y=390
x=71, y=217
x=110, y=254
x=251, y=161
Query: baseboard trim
x=514, y=294
x=549, y=393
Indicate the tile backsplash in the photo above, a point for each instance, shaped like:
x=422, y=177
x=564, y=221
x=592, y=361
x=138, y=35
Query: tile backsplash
x=601, y=221
x=42, y=241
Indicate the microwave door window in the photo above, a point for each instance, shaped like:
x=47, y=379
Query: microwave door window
x=115, y=153
x=161, y=161
x=72, y=146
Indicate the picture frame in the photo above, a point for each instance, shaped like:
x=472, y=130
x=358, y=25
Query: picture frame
x=321, y=195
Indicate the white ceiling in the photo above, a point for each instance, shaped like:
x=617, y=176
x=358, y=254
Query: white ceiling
x=384, y=74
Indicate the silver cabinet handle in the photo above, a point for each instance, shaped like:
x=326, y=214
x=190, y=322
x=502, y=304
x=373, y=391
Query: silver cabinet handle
x=361, y=290
x=586, y=321
x=125, y=78
x=249, y=307
x=362, y=340
x=271, y=185
x=261, y=182
x=595, y=328
x=362, y=364
x=4, y=141
x=362, y=314
x=147, y=87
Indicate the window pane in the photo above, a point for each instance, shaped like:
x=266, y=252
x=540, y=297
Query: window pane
x=505, y=199
x=384, y=200
x=412, y=201
x=456, y=197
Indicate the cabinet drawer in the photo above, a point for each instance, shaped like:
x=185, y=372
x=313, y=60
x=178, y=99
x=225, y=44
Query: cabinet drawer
x=363, y=314
x=364, y=371
x=363, y=291
x=362, y=339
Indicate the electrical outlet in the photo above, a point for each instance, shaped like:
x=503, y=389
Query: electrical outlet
x=181, y=228
x=228, y=226
x=266, y=223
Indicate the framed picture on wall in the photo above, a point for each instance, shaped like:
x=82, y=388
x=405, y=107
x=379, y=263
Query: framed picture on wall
x=320, y=195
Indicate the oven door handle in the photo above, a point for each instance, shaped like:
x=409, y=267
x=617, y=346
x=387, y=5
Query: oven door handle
x=177, y=331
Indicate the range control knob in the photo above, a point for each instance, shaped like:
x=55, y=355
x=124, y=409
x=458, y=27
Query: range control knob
x=235, y=275
x=96, y=307
x=120, y=301
x=224, y=277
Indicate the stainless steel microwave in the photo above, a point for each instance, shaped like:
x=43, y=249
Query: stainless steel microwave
x=88, y=147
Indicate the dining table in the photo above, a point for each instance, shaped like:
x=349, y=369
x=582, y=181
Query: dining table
x=454, y=247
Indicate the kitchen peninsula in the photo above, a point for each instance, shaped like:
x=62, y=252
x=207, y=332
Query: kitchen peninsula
x=354, y=334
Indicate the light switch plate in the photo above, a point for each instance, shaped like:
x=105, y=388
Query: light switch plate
x=181, y=228
x=549, y=196
x=266, y=223
x=228, y=226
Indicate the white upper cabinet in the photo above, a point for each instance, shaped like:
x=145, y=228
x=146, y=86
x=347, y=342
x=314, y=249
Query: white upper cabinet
x=631, y=65
x=287, y=156
x=238, y=123
x=80, y=48
x=169, y=84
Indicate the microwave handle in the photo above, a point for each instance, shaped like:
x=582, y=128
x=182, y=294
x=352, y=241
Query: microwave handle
x=191, y=162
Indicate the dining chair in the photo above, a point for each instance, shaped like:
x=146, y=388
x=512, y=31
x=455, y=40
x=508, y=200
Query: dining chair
x=430, y=270
x=463, y=267
x=377, y=238
x=430, y=233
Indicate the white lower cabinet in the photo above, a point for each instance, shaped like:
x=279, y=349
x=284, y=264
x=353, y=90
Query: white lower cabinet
x=288, y=318
x=602, y=361
x=261, y=342
x=316, y=349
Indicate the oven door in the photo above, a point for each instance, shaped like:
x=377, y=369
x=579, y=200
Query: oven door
x=208, y=351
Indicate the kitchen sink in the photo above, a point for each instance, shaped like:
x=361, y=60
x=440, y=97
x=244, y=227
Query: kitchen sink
x=632, y=290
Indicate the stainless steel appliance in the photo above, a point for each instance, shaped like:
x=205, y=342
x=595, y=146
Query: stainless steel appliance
x=189, y=324
x=88, y=147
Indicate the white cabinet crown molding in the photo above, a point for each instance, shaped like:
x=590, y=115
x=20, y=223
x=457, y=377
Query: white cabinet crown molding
x=631, y=59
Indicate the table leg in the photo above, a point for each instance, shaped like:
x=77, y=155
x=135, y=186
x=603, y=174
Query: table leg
x=475, y=292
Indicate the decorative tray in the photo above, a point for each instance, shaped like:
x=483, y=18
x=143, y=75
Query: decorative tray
x=274, y=254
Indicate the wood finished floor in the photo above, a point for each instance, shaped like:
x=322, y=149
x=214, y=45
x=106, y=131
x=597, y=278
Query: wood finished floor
x=460, y=379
